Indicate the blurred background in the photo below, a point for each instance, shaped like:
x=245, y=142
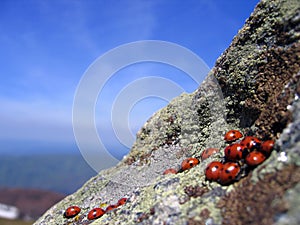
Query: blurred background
x=45, y=48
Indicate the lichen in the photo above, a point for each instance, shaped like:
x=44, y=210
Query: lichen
x=254, y=87
x=259, y=203
x=261, y=60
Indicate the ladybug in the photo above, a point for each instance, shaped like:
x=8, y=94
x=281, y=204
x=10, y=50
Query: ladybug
x=122, y=201
x=189, y=163
x=212, y=171
x=111, y=207
x=72, y=211
x=255, y=158
x=234, y=152
x=267, y=147
x=232, y=135
x=208, y=152
x=229, y=172
x=95, y=213
x=170, y=171
x=250, y=142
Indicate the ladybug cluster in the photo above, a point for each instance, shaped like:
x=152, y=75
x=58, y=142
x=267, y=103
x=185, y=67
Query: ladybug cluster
x=240, y=157
x=95, y=213
x=243, y=155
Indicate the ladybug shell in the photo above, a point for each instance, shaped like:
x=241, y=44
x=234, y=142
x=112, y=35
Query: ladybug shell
x=72, y=211
x=234, y=152
x=208, y=152
x=189, y=163
x=95, y=213
x=170, y=171
x=212, y=171
x=232, y=135
x=250, y=142
x=122, y=201
x=229, y=172
x=267, y=147
x=255, y=158
x=111, y=207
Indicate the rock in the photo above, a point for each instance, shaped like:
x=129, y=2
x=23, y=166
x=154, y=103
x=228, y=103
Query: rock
x=254, y=87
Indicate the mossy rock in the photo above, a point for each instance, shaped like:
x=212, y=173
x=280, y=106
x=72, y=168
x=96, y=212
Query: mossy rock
x=254, y=87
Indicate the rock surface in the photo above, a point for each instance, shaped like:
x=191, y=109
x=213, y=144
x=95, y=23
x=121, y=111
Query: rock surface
x=254, y=87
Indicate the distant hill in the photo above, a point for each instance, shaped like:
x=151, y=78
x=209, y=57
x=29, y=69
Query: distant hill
x=14, y=222
x=63, y=173
x=31, y=203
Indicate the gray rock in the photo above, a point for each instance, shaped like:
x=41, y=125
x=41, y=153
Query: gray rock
x=254, y=87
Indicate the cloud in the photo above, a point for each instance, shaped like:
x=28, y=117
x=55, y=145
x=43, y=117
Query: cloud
x=47, y=45
x=39, y=121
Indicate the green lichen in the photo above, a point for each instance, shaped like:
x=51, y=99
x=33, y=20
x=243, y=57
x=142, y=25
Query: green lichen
x=246, y=72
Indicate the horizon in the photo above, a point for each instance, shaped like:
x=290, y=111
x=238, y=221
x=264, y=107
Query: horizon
x=47, y=47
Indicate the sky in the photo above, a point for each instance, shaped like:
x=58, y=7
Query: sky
x=47, y=46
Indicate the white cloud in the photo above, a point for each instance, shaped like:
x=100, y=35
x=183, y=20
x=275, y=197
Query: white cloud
x=40, y=121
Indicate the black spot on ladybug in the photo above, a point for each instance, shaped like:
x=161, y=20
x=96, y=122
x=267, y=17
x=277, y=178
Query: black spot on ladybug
x=244, y=153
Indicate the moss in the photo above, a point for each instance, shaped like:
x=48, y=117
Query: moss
x=261, y=60
x=195, y=191
x=258, y=79
x=259, y=203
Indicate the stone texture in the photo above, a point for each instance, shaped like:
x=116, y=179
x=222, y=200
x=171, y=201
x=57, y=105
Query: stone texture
x=254, y=87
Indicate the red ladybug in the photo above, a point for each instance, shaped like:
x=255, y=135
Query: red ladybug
x=212, y=171
x=189, y=163
x=229, y=172
x=111, y=207
x=95, y=213
x=255, y=158
x=250, y=142
x=72, y=211
x=122, y=201
x=234, y=152
x=267, y=147
x=232, y=135
x=208, y=152
x=170, y=171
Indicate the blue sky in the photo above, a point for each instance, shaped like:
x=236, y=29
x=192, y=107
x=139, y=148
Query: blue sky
x=47, y=45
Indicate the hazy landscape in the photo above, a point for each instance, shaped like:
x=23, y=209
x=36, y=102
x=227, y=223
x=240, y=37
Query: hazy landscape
x=62, y=173
x=35, y=182
x=14, y=222
x=31, y=203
